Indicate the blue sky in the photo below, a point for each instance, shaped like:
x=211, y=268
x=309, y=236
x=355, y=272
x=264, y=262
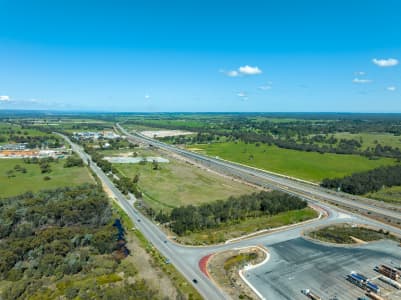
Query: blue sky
x=152, y=56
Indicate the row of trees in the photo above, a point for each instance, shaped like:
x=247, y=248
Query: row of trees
x=127, y=185
x=124, y=184
x=191, y=218
x=365, y=182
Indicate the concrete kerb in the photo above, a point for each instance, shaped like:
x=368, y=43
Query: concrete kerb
x=250, y=267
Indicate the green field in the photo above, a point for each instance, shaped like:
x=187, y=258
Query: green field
x=178, y=183
x=310, y=166
x=387, y=194
x=229, y=231
x=17, y=130
x=33, y=180
x=372, y=139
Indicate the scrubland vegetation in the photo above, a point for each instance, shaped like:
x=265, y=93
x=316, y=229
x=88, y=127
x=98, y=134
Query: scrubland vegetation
x=349, y=234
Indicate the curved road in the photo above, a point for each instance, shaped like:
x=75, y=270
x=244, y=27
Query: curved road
x=186, y=258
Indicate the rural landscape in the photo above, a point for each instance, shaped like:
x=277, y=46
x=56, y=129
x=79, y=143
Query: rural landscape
x=200, y=150
x=111, y=205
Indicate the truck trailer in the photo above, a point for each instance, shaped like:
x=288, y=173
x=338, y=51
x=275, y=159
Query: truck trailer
x=310, y=295
x=388, y=271
x=391, y=282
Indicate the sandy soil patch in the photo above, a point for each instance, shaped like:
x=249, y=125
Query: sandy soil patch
x=149, y=271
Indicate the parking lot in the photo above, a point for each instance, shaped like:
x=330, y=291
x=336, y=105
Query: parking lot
x=301, y=264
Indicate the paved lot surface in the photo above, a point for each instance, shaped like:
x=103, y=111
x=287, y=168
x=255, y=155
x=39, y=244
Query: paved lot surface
x=298, y=264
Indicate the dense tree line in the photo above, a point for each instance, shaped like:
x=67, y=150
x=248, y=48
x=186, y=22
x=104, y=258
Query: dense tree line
x=195, y=218
x=365, y=182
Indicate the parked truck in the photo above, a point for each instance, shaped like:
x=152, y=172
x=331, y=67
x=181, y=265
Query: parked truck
x=388, y=271
x=372, y=287
x=357, y=279
x=363, y=282
x=391, y=282
x=310, y=295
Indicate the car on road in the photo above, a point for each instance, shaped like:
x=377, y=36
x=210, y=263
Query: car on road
x=195, y=281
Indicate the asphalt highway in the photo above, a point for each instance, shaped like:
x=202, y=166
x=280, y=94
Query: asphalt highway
x=186, y=258
x=180, y=259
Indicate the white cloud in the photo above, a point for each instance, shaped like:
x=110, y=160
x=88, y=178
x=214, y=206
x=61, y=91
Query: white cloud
x=264, y=87
x=248, y=70
x=244, y=70
x=391, y=88
x=390, y=62
x=358, y=80
x=5, y=98
x=147, y=96
x=242, y=94
x=360, y=73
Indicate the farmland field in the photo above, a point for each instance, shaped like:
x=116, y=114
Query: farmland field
x=310, y=166
x=178, y=183
x=33, y=179
x=372, y=139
